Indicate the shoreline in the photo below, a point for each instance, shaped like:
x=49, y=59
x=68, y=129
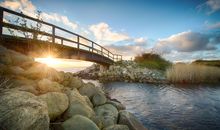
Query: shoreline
x=54, y=99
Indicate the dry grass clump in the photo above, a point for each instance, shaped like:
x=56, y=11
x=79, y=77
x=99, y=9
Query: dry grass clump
x=193, y=73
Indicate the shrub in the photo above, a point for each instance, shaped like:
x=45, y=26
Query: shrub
x=152, y=61
x=193, y=73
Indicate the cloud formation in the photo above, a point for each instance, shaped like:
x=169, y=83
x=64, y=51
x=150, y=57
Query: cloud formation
x=140, y=41
x=209, y=6
x=29, y=9
x=214, y=26
x=185, y=42
x=103, y=32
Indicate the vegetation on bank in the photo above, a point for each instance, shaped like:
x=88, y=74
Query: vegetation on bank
x=215, y=63
x=193, y=73
x=152, y=61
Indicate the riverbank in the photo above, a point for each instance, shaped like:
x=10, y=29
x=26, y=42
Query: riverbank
x=35, y=96
x=126, y=71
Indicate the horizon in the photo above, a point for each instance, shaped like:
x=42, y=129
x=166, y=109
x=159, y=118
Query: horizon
x=180, y=31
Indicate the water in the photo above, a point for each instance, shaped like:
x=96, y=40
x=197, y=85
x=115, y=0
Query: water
x=170, y=107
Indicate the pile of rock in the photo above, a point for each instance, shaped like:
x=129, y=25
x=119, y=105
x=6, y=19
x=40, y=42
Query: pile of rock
x=126, y=71
x=36, y=97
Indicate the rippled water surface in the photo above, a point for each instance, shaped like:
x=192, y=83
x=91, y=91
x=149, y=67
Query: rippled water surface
x=170, y=107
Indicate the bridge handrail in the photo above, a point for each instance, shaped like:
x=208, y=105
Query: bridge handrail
x=114, y=57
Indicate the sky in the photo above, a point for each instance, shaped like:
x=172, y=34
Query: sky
x=179, y=30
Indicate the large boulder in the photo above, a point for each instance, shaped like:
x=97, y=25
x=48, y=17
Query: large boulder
x=57, y=103
x=79, y=122
x=21, y=110
x=18, y=58
x=117, y=104
x=3, y=68
x=16, y=70
x=40, y=71
x=74, y=82
x=108, y=114
x=97, y=120
x=24, y=84
x=89, y=90
x=126, y=118
x=117, y=127
x=4, y=56
x=77, y=105
x=45, y=85
x=99, y=99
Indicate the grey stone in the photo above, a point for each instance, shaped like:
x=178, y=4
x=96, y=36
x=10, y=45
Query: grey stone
x=21, y=110
x=79, y=122
x=99, y=99
x=117, y=127
x=126, y=118
x=77, y=105
x=57, y=103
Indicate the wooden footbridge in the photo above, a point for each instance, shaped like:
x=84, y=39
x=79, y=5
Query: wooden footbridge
x=47, y=39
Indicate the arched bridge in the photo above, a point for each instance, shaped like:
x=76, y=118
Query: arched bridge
x=37, y=38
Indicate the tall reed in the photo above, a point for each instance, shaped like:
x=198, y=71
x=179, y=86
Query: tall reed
x=193, y=73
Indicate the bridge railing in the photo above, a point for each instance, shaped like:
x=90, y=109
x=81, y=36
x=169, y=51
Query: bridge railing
x=77, y=42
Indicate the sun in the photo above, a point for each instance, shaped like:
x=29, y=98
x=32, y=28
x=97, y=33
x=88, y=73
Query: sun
x=50, y=61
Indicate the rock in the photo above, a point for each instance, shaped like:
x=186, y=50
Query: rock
x=77, y=105
x=76, y=82
x=3, y=69
x=57, y=103
x=97, y=120
x=126, y=118
x=117, y=104
x=88, y=101
x=79, y=122
x=46, y=85
x=40, y=71
x=4, y=56
x=99, y=99
x=89, y=90
x=18, y=58
x=24, y=84
x=21, y=110
x=117, y=127
x=16, y=70
x=108, y=114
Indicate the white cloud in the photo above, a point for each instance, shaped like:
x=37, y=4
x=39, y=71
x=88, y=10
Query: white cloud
x=184, y=42
x=214, y=5
x=14, y=5
x=59, y=18
x=103, y=32
x=214, y=26
x=29, y=9
x=209, y=6
x=140, y=41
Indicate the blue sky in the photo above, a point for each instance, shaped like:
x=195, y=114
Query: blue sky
x=181, y=30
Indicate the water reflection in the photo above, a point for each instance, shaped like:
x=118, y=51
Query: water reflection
x=170, y=107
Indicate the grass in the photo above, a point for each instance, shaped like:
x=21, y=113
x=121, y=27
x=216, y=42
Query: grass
x=215, y=63
x=152, y=61
x=193, y=73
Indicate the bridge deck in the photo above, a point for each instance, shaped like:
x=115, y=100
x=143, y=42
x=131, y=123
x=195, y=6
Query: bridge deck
x=25, y=39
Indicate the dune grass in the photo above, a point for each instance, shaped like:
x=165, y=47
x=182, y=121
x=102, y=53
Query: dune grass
x=215, y=63
x=193, y=73
x=152, y=61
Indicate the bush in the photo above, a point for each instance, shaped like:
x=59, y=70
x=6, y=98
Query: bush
x=152, y=61
x=193, y=73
